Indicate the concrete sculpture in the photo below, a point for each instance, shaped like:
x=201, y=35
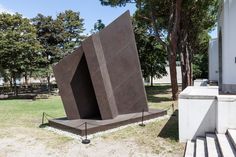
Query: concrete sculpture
x=102, y=79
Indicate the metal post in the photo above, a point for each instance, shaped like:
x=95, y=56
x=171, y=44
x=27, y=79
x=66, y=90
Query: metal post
x=173, y=107
x=142, y=124
x=43, y=119
x=86, y=140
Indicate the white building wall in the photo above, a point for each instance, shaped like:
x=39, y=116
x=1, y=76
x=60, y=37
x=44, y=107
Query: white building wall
x=228, y=25
x=1, y=81
x=213, y=60
x=166, y=79
x=197, y=112
x=226, y=113
x=202, y=110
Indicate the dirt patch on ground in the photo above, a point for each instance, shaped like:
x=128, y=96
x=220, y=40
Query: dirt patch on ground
x=26, y=145
x=37, y=142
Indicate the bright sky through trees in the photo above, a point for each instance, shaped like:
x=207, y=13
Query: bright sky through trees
x=91, y=10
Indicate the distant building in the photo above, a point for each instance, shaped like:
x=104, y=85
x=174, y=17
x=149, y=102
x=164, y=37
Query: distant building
x=31, y=80
x=166, y=79
x=213, y=55
x=1, y=81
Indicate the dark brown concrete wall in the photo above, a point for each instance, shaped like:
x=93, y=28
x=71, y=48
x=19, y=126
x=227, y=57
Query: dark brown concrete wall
x=119, y=48
x=100, y=77
x=107, y=81
x=83, y=92
x=64, y=72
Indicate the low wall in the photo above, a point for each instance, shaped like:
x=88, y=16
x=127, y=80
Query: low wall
x=197, y=112
x=226, y=113
x=202, y=110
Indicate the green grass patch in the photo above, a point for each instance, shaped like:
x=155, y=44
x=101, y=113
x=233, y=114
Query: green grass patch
x=28, y=113
x=24, y=117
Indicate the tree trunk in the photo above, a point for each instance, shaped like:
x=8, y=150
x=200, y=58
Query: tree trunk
x=183, y=70
x=26, y=80
x=185, y=67
x=188, y=67
x=15, y=87
x=49, y=85
x=11, y=86
x=172, y=37
x=173, y=49
x=151, y=81
x=173, y=75
x=191, y=74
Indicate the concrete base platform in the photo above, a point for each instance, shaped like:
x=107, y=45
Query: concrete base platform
x=77, y=127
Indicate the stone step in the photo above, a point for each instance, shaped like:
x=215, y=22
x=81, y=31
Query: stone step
x=190, y=149
x=232, y=135
x=212, y=145
x=226, y=147
x=201, y=147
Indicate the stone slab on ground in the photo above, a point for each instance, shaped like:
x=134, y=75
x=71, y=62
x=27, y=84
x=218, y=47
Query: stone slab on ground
x=77, y=126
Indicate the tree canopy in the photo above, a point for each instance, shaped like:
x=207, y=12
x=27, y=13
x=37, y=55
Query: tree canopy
x=58, y=37
x=73, y=28
x=19, y=48
x=177, y=26
x=33, y=46
x=151, y=54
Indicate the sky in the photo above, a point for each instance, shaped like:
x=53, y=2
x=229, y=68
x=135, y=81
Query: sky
x=90, y=10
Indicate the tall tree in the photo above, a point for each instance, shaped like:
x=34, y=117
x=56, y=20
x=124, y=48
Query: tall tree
x=200, y=56
x=49, y=34
x=19, y=49
x=164, y=19
x=194, y=34
x=177, y=26
x=151, y=55
x=73, y=28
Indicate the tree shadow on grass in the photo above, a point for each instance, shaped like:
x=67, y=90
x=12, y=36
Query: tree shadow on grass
x=43, y=125
x=162, y=89
x=152, y=93
x=171, y=130
x=156, y=99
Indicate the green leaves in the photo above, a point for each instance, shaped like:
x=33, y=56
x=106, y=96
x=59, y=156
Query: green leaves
x=99, y=25
x=32, y=46
x=115, y=3
x=72, y=29
x=152, y=56
x=59, y=36
x=18, y=43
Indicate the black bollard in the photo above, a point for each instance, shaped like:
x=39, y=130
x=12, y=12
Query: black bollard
x=86, y=140
x=142, y=124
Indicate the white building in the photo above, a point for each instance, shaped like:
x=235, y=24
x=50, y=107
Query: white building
x=212, y=109
x=31, y=80
x=1, y=81
x=213, y=54
x=227, y=44
x=166, y=79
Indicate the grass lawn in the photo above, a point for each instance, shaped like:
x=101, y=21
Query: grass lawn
x=20, y=119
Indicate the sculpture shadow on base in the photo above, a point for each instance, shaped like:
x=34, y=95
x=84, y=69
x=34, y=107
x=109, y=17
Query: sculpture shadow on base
x=101, y=82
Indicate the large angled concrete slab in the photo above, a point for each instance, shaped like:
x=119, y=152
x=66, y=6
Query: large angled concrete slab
x=102, y=79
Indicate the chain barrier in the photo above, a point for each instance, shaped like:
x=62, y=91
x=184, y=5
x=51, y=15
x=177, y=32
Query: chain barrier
x=84, y=141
